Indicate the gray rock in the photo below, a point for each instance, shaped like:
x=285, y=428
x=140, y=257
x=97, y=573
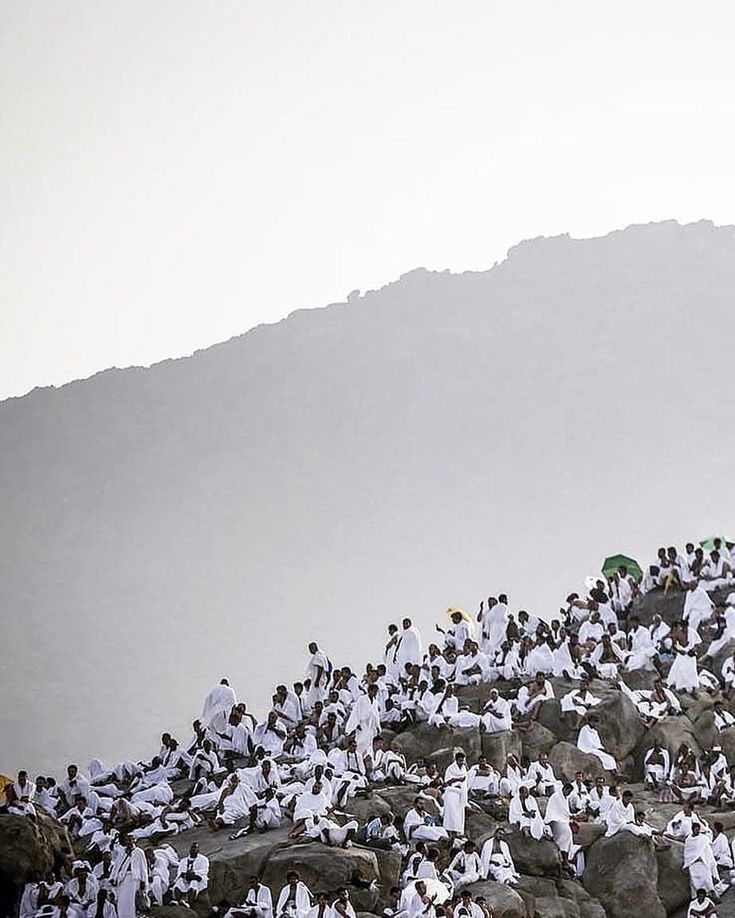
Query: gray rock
x=572, y=889
x=671, y=732
x=567, y=760
x=531, y=857
x=622, y=872
x=323, y=868
x=592, y=908
x=424, y=741
x=620, y=725
x=504, y=901
x=556, y=908
x=232, y=862
x=400, y=800
x=537, y=739
x=673, y=882
x=536, y=886
x=496, y=747
x=26, y=847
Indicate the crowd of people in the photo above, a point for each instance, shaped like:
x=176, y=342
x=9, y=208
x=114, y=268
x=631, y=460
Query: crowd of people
x=321, y=745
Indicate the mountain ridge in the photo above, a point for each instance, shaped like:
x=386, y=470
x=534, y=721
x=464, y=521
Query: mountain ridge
x=523, y=247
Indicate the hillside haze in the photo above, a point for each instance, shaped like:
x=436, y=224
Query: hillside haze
x=427, y=444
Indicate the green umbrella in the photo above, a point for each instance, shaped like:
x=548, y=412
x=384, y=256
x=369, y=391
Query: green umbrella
x=613, y=563
x=709, y=544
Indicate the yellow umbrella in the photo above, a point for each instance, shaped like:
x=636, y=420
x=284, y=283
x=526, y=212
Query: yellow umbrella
x=3, y=781
x=465, y=615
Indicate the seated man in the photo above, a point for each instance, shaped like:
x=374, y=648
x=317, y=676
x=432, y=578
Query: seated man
x=524, y=813
x=656, y=766
x=578, y=702
x=722, y=717
x=532, y=696
x=496, y=715
x=418, y=825
x=701, y=906
x=497, y=861
x=465, y=867
x=258, y=902
x=621, y=817
x=589, y=741
x=192, y=877
x=542, y=774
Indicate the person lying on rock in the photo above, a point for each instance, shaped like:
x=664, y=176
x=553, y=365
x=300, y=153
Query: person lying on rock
x=679, y=827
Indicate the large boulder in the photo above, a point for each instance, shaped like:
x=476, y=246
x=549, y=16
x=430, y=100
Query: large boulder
x=534, y=858
x=474, y=697
x=588, y=833
x=551, y=716
x=327, y=869
x=668, y=605
x=673, y=882
x=232, y=863
x=536, y=886
x=504, y=901
x=366, y=808
x=171, y=911
x=437, y=744
x=479, y=826
x=537, y=739
x=399, y=800
x=670, y=732
x=496, y=747
x=592, y=908
x=620, y=724
x=567, y=760
x=556, y=908
x=27, y=847
x=705, y=731
x=622, y=872
x=572, y=889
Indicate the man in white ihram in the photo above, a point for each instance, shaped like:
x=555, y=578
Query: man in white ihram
x=408, y=649
x=192, y=877
x=364, y=720
x=129, y=875
x=700, y=861
x=217, y=706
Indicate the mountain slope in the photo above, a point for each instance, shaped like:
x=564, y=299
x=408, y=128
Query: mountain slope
x=444, y=437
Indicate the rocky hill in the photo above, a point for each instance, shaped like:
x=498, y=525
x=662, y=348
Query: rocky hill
x=625, y=876
x=394, y=454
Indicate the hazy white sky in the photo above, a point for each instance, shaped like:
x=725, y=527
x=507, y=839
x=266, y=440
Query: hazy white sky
x=173, y=173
